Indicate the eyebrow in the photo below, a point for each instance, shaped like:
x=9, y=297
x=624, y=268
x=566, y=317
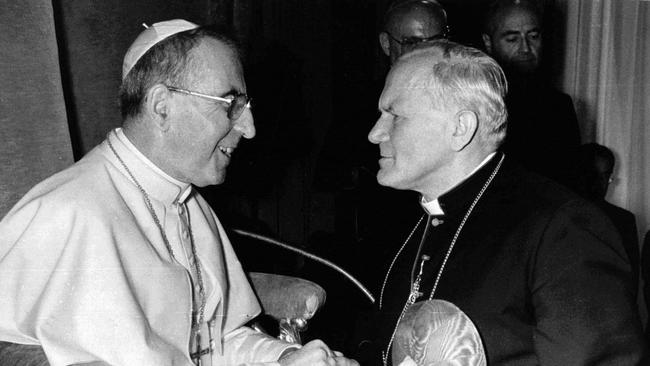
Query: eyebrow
x=509, y=33
x=232, y=92
x=514, y=32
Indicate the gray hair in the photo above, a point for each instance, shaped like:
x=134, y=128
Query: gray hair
x=466, y=78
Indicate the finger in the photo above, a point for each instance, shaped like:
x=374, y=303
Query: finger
x=337, y=354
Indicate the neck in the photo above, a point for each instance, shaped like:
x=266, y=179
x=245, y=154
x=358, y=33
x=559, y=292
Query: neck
x=142, y=136
x=135, y=131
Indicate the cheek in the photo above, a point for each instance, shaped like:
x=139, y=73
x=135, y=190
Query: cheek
x=395, y=50
x=219, y=127
x=508, y=49
x=536, y=47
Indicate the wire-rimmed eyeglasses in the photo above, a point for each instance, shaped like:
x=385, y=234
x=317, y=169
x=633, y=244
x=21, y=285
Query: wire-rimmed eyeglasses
x=236, y=103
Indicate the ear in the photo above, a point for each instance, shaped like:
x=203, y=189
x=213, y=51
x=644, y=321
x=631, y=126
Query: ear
x=158, y=106
x=384, y=42
x=464, y=129
x=487, y=42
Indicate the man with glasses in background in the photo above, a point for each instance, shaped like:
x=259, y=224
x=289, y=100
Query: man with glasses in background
x=118, y=260
x=409, y=24
x=406, y=26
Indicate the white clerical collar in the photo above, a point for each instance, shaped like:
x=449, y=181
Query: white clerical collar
x=185, y=188
x=433, y=207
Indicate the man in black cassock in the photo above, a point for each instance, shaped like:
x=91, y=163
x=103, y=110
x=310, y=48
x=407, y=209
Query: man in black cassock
x=543, y=131
x=540, y=271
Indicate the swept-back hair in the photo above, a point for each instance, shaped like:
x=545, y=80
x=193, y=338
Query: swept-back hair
x=168, y=62
x=457, y=76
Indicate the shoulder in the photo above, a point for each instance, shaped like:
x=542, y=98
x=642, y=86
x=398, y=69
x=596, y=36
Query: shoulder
x=531, y=190
x=67, y=197
x=559, y=98
x=64, y=215
x=79, y=185
x=558, y=228
x=540, y=205
x=558, y=94
x=620, y=212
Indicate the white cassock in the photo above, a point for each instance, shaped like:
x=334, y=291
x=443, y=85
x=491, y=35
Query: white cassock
x=85, y=273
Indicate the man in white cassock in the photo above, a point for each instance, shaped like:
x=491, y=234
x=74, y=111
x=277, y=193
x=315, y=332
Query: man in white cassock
x=118, y=260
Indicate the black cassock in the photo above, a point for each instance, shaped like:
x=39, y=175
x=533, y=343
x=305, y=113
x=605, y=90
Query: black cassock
x=541, y=273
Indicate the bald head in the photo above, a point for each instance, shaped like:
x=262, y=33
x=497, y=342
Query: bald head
x=409, y=24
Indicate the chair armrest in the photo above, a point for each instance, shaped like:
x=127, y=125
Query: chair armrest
x=290, y=300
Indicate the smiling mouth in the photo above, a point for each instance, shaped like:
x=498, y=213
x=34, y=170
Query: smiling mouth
x=227, y=150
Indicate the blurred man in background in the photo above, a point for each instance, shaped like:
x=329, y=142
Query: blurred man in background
x=543, y=129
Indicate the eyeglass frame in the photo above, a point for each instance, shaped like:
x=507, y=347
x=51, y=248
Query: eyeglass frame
x=231, y=101
x=414, y=41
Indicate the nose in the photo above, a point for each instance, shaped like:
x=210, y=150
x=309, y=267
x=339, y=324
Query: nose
x=245, y=124
x=525, y=45
x=380, y=132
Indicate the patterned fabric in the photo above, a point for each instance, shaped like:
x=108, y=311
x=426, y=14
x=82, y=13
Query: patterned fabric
x=437, y=332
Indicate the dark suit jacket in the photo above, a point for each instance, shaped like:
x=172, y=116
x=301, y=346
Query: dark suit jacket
x=541, y=273
x=625, y=223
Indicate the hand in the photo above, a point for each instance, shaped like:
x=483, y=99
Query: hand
x=316, y=353
x=407, y=361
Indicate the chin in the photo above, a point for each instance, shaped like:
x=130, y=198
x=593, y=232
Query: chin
x=218, y=180
x=212, y=180
x=400, y=180
x=388, y=180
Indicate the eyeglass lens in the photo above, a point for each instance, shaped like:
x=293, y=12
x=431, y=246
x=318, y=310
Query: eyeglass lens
x=237, y=107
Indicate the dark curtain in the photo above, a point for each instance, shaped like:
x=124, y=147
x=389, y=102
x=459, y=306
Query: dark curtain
x=34, y=139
